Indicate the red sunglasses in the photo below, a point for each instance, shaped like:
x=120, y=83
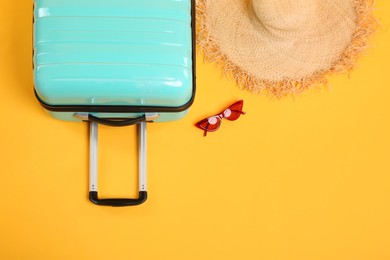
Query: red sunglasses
x=212, y=123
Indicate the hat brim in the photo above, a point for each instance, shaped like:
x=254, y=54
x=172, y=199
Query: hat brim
x=366, y=25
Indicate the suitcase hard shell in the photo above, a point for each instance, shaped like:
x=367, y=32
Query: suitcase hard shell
x=116, y=58
x=117, y=62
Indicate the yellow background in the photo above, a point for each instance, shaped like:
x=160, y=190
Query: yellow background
x=292, y=179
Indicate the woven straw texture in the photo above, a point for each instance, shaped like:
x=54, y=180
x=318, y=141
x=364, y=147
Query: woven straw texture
x=283, y=47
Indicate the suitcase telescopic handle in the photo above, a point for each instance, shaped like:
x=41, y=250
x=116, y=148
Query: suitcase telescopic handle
x=117, y=202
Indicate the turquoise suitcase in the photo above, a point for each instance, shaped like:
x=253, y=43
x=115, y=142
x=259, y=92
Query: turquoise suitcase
x=118, y=63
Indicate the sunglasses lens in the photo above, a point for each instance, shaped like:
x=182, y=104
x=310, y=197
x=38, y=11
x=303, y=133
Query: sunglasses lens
x=234, y=111
x=213, y=120
x=210, y=124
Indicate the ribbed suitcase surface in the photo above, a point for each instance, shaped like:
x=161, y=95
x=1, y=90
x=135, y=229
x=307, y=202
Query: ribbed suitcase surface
x=117, y=52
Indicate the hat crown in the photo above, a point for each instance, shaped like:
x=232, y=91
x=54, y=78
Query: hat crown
x=286, y=15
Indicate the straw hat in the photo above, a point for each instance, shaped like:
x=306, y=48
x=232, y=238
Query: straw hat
x=282, y=47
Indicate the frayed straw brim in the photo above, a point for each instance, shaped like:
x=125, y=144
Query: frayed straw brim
x=366, y=26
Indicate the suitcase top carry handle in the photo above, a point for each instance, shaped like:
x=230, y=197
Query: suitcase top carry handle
x=148, y=117
x=116, y=122
x=93, y=168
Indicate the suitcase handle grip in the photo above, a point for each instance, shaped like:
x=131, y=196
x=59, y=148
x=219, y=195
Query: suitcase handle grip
x=116, y=122
x=119, y=202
